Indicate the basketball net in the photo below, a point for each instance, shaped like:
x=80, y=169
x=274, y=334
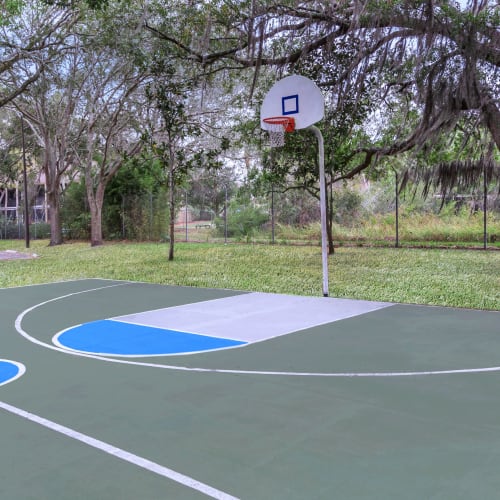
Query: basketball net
x=276, y=136
x=277, y=126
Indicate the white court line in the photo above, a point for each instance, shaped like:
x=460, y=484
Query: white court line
x=34, y=340
x=124, y=455
x=122, y=282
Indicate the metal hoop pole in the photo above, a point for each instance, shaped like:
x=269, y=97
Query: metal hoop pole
x=322, y=201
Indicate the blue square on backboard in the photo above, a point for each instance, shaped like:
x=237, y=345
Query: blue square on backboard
x=290, y=104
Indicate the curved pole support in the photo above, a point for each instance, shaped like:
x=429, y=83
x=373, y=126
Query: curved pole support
x=322, y=200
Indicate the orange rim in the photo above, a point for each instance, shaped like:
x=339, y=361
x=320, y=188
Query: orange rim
x=287, y=122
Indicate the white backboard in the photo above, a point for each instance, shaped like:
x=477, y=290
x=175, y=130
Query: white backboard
x=295, y=96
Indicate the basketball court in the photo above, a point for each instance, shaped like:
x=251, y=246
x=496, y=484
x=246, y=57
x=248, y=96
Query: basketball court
x=123, y=390
x=126, y=390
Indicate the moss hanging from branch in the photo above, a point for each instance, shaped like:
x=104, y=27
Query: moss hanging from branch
x=447, y=176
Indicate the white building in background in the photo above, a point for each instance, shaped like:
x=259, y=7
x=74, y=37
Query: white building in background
x=12, y=201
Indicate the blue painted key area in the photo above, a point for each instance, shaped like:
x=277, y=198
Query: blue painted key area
x=126, y=339
x=8, y=371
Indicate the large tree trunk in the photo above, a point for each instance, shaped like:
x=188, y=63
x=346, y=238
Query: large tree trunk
x=96, y=222
x=329, y=221
x=329, y=233
x=96, y=202
x=52, y=180
x=96, y=226
x=54, y=217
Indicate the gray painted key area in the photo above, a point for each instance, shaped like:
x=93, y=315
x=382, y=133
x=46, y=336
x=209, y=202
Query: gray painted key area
x=253, y=317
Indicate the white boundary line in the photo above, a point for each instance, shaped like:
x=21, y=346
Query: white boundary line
x=95, y=443
x=34, y=340
x=20, y=373
x=120, y=453
x=69, y=281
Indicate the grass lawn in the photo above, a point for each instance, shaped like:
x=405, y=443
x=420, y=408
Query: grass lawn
x=457, y=278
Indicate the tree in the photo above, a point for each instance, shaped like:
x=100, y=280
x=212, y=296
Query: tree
x=172, y=134
x=50, y=110
x=347, y=108
x=25, y=35
x=38, y=53
x=443, y=57
x=112, y=137
x=9, y=151
x=176, y=139
x=188, y=132
x=456, y=166
x=113, y=105
x=140, y=178
x=208, y=188
x=29, y=33
x=17, y=150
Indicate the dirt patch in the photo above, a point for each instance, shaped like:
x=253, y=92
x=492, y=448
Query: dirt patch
x=14, y=255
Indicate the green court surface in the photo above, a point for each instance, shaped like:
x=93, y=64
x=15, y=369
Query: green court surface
x=327, y=399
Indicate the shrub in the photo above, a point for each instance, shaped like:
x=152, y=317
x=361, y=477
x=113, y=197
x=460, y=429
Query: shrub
x=347, y=207
x=78, y=228
x=12, y=230
x=242, y=221
x=40, y=231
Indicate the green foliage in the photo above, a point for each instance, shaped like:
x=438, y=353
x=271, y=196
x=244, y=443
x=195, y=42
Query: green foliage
x=92, y=4
x=347, y=207
x=74, y=212
x=242, y=221
x=134, y=208
x=10, y=229
x=208, y=188
x=137, y=176
x=296, y=207
x=9, y=167
x=96, y=4
x=138, y=217
x=135, y=203
x=9, y=8
x=346, y=108
x=40, y=230
x=170, y=96
x=78, y=228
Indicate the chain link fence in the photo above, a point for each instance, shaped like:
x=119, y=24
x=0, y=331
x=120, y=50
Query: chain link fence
x=360, y=217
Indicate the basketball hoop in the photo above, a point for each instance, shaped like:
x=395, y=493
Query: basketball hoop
x=277, y=126
x=298, y=96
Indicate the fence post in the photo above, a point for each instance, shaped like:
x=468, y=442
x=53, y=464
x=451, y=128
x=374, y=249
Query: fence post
x=225, y=215
x=397, y=210
x=485, y=203
x=26, y=201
